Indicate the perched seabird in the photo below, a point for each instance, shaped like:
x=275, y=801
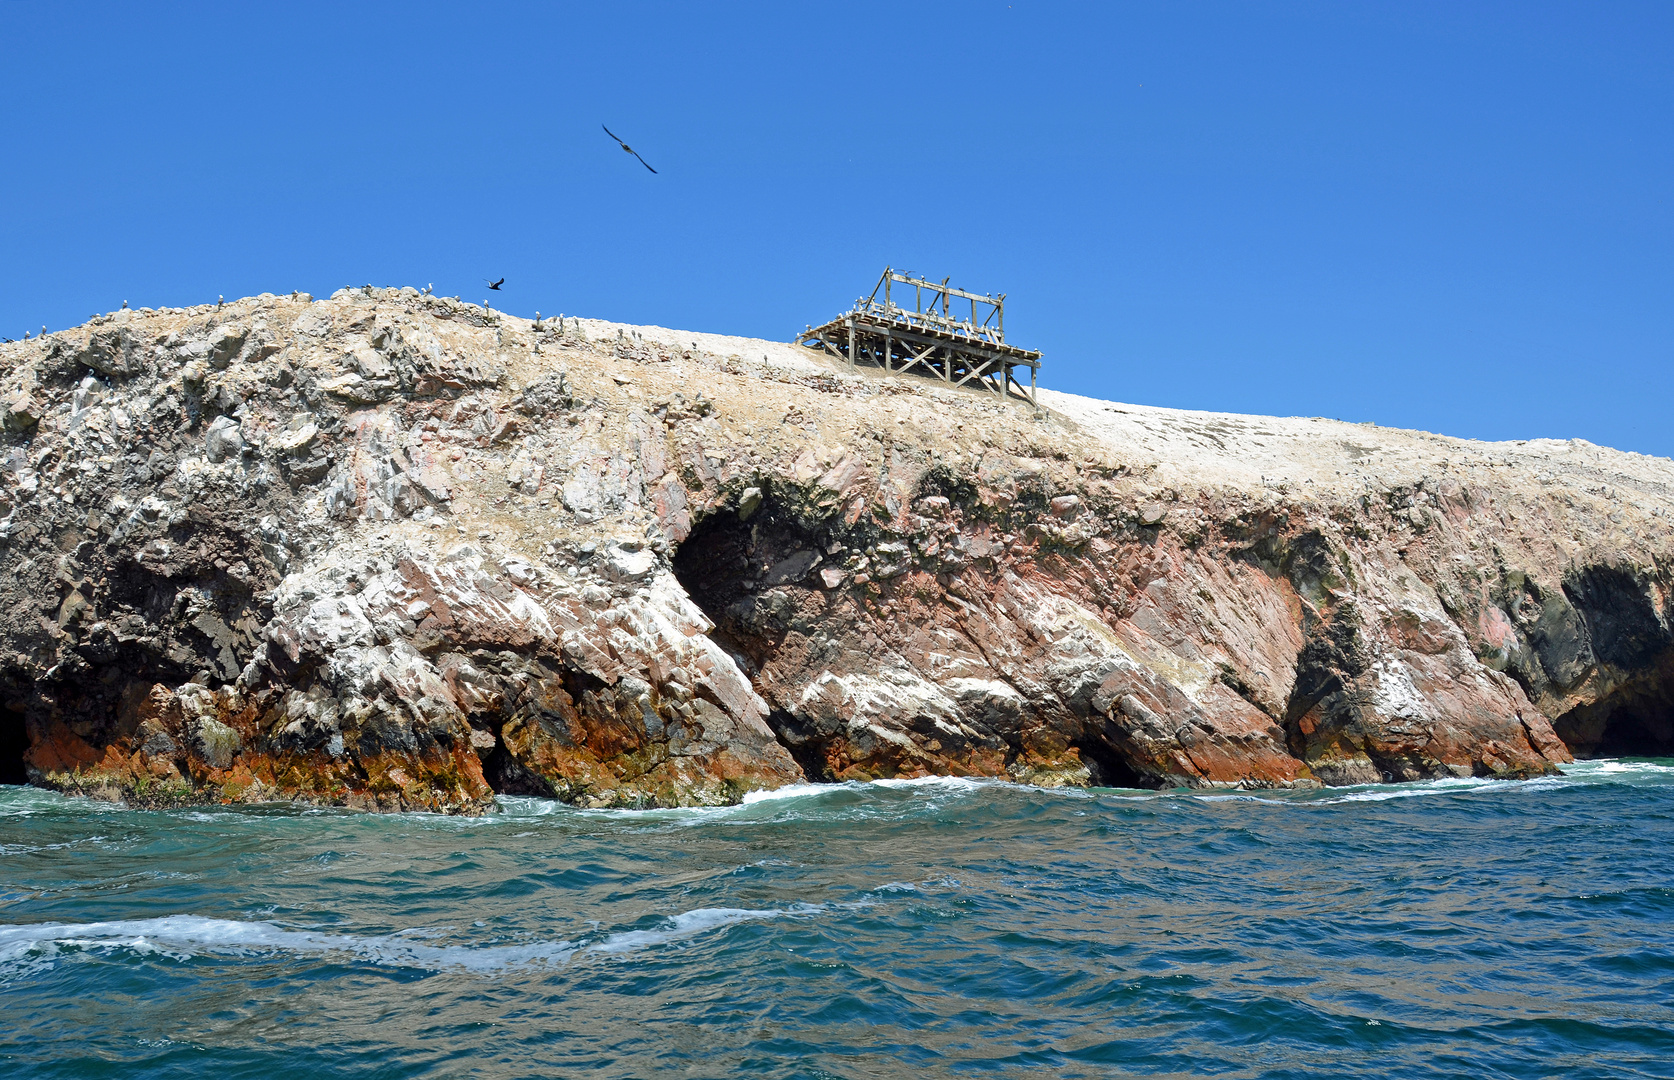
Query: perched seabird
x=628, y=148
x=495, y=285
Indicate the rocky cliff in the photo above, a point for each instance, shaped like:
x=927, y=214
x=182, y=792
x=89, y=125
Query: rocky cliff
x=393, y=551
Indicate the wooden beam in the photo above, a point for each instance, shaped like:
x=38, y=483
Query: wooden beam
x=924, y=335
x=981, y=298
x=977, y=373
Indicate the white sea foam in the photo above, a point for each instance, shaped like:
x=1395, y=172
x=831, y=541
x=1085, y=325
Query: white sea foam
x=950, y=783
x=21, y=800
x=1576, y=773
x=685, y=925
x=183, y=937
x=789, y=791
x=1418, y=789
x=513, y=808
x=527, y=806
x=1614, y=767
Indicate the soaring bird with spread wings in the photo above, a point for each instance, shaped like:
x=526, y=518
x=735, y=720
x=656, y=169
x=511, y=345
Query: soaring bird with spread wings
x=628, y=148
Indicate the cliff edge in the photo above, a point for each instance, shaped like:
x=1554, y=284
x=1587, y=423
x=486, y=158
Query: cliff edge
x=392, y=551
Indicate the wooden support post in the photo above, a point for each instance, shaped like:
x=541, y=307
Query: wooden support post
x=851, y=344
x=886, y=351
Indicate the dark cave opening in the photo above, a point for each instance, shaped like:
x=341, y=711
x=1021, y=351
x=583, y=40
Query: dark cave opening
x=554, y=695
x=751, y=576
x=1635, y=720
x=745, y=574
x=505, y=775
x=1108, y=769
x=1631, y=733
x=712, y=563
x=1632, y=720
x=1627, y=635
x=808, y=752
x=14, y=743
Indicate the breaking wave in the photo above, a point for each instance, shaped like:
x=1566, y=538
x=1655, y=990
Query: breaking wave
x=185, y=937
x=844, y=793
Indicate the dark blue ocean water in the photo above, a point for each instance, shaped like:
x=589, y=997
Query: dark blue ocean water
x=937, y=928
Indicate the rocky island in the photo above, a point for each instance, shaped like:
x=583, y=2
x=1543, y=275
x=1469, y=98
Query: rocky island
x=393, y=551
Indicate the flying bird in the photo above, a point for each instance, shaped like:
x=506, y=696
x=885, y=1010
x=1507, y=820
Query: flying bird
x=495, y=285
x=628, y=148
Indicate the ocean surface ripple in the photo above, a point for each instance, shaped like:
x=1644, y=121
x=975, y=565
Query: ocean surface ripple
x=921, y=928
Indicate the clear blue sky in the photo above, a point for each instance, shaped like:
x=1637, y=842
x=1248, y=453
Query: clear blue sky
x=1452, y=216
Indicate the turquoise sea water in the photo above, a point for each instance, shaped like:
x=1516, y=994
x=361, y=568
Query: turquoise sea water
x=934, y=928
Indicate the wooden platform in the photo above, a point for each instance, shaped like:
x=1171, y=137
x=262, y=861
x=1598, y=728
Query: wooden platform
x=929, y=339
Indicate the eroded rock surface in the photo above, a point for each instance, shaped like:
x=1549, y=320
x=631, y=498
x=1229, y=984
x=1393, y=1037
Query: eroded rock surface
x=393, y=551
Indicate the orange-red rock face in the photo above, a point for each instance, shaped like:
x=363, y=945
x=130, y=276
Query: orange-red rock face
x=390, y=552
x=999, y=645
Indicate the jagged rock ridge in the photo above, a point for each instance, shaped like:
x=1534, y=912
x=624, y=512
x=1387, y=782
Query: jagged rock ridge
x=393, y=551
